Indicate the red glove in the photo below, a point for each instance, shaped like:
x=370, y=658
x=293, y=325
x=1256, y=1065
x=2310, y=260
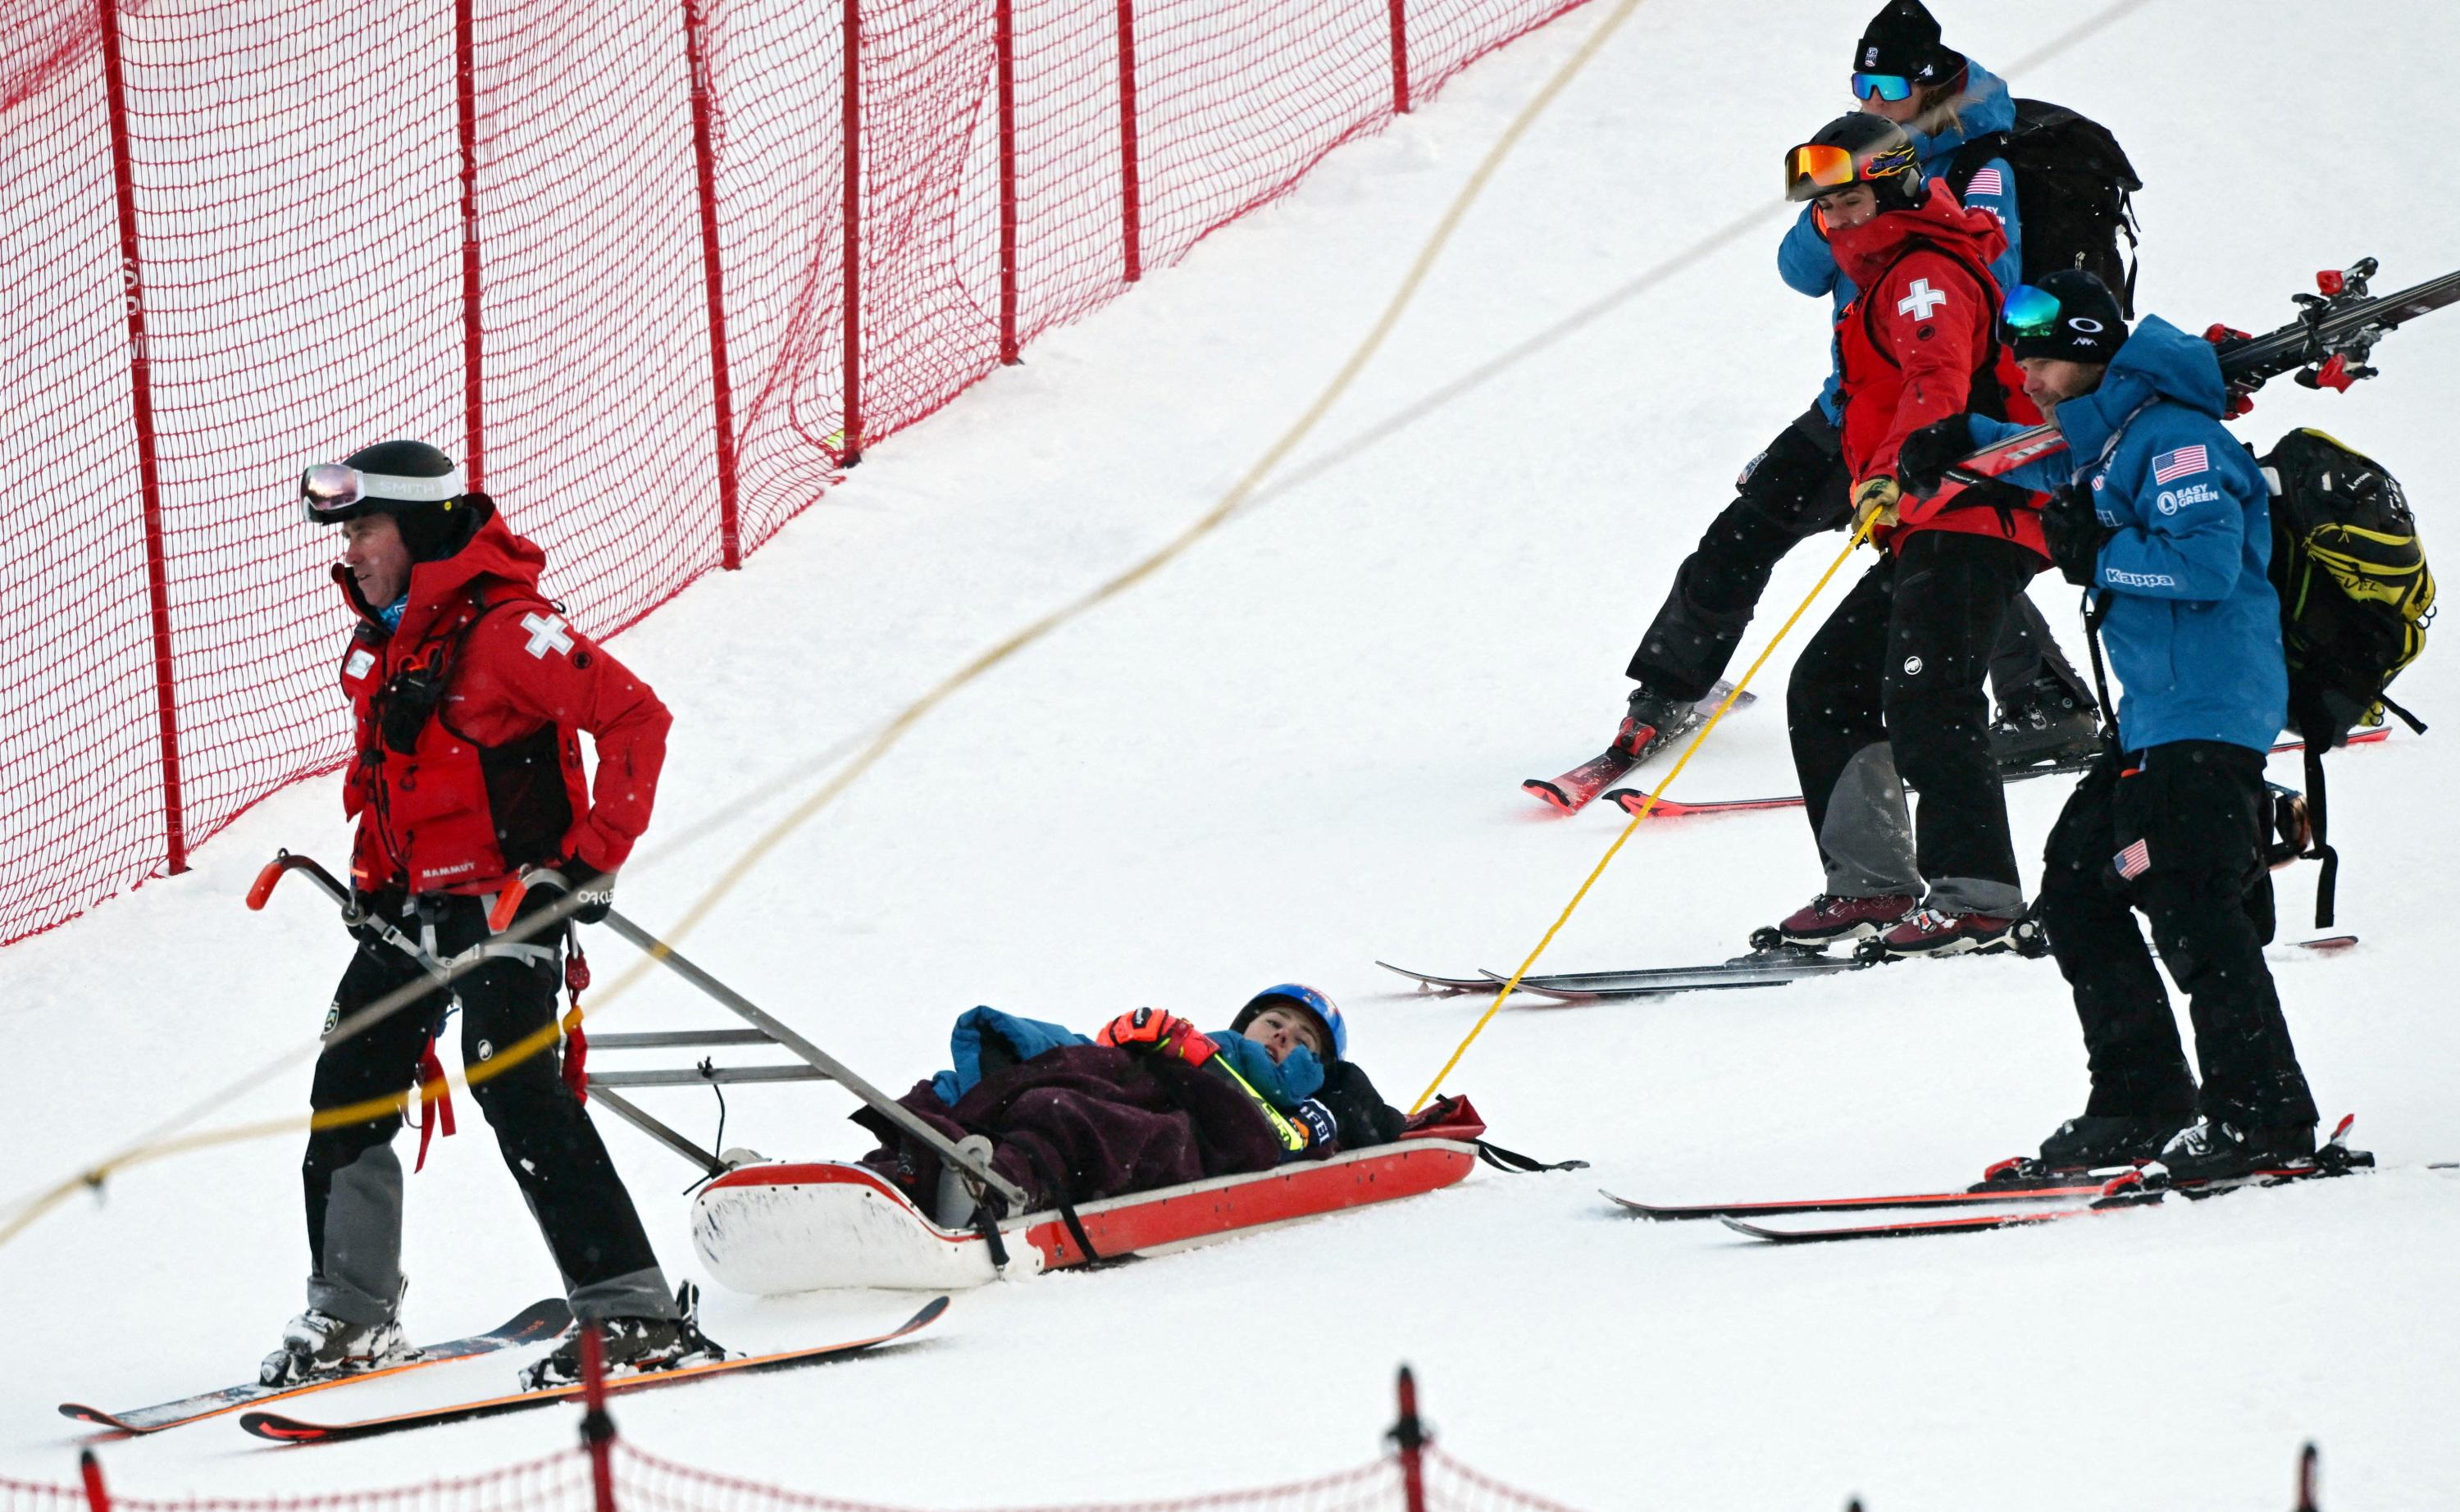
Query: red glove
x=1152, y=1029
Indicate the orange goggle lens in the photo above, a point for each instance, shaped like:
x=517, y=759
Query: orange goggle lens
x=1814, y=168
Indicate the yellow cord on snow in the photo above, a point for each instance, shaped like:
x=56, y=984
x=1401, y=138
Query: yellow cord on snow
x=1646, y=809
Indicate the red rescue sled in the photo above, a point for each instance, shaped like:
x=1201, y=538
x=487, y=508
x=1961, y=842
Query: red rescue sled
x=782, y=1227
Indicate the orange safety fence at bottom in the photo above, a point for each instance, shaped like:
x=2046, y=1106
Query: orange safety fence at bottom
x=1415, y=1476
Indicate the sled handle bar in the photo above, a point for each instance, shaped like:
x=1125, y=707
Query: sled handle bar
x=509, y=902
x=354, y=918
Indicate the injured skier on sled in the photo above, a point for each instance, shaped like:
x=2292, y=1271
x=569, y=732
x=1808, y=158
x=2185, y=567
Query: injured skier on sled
x=1151, y=1101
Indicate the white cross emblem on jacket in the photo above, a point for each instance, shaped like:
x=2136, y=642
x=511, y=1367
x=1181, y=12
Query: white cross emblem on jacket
x=546, y=634
x=1921, y=300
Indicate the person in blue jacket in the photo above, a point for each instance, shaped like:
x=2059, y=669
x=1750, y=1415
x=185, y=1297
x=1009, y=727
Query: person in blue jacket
x=1795, y=488
x=2165, y=522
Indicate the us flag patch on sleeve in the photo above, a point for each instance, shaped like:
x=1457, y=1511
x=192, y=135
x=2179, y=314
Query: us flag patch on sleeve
x=2168, y=466
x=1987, y=182
x=2135, y=860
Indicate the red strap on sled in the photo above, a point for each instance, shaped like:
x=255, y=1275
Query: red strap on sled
x=431, y=1073
x=1452, y=1117
x=576, y=1044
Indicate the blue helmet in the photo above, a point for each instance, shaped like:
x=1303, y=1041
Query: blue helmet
x=1327, y=1017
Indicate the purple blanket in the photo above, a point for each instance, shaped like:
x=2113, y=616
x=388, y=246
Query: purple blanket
x=1085, y=1121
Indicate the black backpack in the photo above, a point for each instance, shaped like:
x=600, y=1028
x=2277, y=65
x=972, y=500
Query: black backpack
x=2355, y=600
x=2073, y=188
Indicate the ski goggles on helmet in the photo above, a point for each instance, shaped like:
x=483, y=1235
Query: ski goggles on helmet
x=2029, y=312
x=1817, y=168
x=1890, y=87
x=332, y=492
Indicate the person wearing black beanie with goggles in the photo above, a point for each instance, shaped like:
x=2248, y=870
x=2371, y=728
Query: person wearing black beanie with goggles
x=2164, y=519
x=1901, y=73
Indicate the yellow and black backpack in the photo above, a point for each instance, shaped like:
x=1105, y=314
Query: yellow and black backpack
x=2355, y=600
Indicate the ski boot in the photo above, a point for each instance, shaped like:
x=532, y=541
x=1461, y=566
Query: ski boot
x=2094, y=1142
x=1653, y=722
x=955, y=1205
x=316, y=1344
x=2205, y=1152
x=633, y=1345
x=2045, y=725
x=1935, y=932
x=1830, y=918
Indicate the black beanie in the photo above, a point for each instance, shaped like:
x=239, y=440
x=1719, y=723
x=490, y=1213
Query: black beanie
x=2090, y=327
x=1904, y=39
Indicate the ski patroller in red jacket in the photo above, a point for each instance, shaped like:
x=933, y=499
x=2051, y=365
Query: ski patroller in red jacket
x=1918, y=345
x=489, y=777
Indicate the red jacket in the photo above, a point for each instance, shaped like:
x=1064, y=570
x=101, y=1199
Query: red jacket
x=1918, y=344
x=454, y=794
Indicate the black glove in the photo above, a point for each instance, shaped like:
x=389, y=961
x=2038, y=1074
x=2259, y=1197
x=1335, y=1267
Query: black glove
x=1923, y=460
x=2075, y=535
x=595, y=888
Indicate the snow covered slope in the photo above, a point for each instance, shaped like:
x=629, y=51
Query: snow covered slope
x=1298, y=750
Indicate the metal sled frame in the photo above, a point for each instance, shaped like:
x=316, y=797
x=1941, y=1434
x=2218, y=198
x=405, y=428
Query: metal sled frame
x=818, y=1064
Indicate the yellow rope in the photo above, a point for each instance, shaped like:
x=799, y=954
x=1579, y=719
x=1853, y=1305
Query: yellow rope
x=158, y=1142
x=157, y=1146
x=1239, y=493
x=1646, y=809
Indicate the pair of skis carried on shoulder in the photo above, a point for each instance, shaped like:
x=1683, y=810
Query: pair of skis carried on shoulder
x=2020, y=1192
x=536, y=1324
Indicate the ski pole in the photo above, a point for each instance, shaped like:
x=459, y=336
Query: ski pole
x=751, y=1013
x=1862, y=532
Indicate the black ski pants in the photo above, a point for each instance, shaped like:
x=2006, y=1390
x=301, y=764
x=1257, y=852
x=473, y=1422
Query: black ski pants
x=1795, y=490
x=354, y=1181
x=1889, y=692
x=2180, y=832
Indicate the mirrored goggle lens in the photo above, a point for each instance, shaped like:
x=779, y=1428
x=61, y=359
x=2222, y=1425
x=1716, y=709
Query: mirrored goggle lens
x=2029, y=312
x=328, y=488
x=1887, y=85
x=1810, y=170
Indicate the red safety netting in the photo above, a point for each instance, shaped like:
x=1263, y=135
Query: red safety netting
x=643, y=1483
x=656, y=269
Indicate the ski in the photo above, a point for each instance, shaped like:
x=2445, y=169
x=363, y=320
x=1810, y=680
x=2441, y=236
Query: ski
x=2143, y=1186
x=1632, y=799
x=1442, y=986
x=291, y=1431
x=539, y=1321
x=1573, y=791
x=2326, y=346
x=1962, y=1224
x=2082, y=1186
x=1759, y=969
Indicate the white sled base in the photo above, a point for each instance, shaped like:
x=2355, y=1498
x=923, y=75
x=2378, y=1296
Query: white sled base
x=782, y=1227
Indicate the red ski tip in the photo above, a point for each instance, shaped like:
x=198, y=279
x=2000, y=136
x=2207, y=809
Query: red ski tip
x=1555, y=797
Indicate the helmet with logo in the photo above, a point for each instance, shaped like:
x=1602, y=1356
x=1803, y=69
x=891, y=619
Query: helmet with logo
x=2068, y=314
x=1857, y=148
x=421, y=488
x=1306, y=1000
